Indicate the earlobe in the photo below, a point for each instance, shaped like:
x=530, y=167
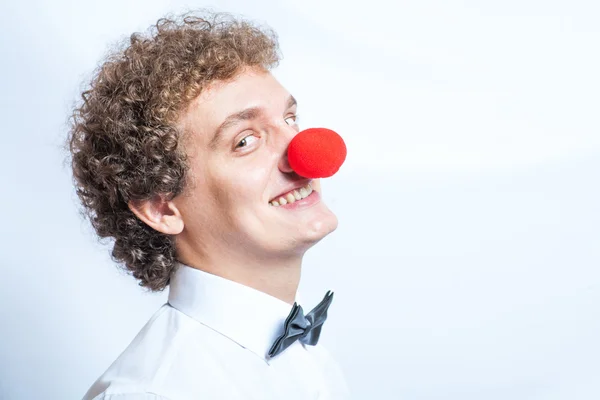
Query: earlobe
x=158, y=213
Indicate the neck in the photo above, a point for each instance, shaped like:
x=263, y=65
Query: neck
x=278, y=277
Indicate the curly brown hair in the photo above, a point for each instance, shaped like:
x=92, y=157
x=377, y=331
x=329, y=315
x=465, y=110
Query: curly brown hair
x=123, y=142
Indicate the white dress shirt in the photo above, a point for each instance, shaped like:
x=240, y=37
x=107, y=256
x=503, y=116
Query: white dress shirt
x=210, y=341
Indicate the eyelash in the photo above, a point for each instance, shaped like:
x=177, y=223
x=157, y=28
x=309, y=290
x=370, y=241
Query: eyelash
x=295, y=116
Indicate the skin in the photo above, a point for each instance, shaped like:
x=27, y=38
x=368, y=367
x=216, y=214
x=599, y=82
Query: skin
x=223, y=222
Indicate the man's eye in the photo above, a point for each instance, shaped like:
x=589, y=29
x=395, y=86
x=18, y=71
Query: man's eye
x=245, y=141
x=294, y=119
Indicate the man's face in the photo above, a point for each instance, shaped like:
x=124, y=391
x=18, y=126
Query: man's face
x=238, y=168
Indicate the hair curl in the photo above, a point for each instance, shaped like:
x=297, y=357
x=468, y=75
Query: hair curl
x=122, y=140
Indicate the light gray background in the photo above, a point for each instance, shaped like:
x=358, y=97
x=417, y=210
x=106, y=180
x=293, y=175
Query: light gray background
x=466, y=262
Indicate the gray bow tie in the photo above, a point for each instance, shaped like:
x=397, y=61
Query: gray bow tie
x=298, y=327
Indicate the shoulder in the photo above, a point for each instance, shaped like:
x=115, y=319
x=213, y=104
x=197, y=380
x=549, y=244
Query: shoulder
x=172, y=354
x=140, y=370
x=130, y=396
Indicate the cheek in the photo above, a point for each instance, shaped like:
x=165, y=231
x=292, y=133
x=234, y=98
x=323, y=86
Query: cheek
x=239, y=187
x=316, y=185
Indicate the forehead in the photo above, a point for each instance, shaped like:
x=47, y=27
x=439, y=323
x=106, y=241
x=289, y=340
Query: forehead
x=251, y=88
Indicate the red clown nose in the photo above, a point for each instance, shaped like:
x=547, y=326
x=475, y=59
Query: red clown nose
x=316, y=153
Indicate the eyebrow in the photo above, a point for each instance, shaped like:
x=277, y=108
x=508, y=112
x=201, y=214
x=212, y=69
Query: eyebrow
x=244, y=115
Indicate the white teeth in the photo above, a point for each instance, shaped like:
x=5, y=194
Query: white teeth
x=293, y=196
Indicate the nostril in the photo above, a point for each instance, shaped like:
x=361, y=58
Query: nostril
x=284, y=163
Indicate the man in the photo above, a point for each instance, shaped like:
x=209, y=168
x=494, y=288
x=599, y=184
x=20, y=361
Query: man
x=179, y=153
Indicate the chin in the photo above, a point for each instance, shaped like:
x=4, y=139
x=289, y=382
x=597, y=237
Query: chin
x=320, y=228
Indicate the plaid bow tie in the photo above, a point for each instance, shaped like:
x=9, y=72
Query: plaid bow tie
x=307, y=328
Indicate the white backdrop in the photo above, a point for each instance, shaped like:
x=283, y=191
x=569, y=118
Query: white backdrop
x=466, y=262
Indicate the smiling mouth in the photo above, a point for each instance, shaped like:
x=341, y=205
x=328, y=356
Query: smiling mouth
x=292, y=196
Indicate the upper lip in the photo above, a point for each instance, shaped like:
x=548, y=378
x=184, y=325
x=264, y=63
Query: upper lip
x=295, y=186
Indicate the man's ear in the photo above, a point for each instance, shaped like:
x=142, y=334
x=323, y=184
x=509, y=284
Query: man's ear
x=160, y=214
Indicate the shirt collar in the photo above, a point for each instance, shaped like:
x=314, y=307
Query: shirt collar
x=249, y=317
